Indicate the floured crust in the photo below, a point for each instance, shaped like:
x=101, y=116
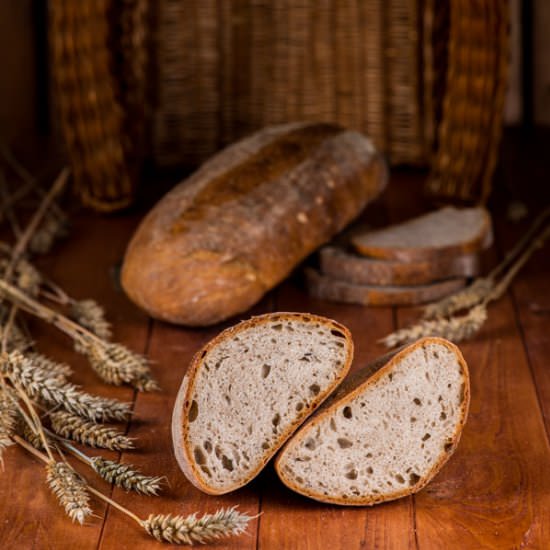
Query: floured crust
x=360, y=382
x=182, y=448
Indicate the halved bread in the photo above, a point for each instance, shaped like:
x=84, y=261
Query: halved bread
x=327, y=288
x=248, y=390
x=383, y=435
x=447, y=231
x=338, y=263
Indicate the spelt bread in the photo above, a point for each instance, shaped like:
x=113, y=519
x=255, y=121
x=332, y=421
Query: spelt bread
x=216, y=243
x=339, y=263
x=384, y=435
x=447, y=231
x=248, y=390
x=327, y=288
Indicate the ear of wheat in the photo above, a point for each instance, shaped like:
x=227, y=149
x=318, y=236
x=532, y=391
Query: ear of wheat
x=8, y=421
x=126, y=476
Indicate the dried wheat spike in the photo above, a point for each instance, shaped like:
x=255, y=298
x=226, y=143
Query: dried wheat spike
x=126, y=476
x=28, y=278
x=70, y=490
x=455, y=328
x=462, y=300
x=8, y=421
x=52, y=228
x=53, y=390
x=89, y=433
x=116, y=364
x=28, y=435
x=190, y=529
x=61, y=370
x=91, y=315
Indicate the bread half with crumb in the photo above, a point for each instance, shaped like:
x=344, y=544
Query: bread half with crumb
x=386, y=432
x=248, y=390
x=448, y=231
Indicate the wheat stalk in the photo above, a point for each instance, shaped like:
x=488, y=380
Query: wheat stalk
x=126, y=476
x=89, y=433
x=191, y=529
x=70, y=490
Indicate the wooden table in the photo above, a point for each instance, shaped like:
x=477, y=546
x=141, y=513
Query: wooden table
x=493, y=493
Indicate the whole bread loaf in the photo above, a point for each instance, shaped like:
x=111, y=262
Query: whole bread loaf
x=247, y=391
x=386, y=431
x=216, y=243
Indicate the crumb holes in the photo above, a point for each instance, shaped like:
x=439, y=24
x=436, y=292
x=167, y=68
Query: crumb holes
x=266, y=369
x=439, y=399
x=299, y=479
x=417, y=401
x=370, y=470
x=315, y=389
x=276, y=420
x=289, y=328
x=413, y=418
x=337, y=333
x=390, y=376
x=310, y=444
x=427, y=375
x=273, y=341
x=193, y=411
x=400, y=478
x=246, y=457
x=206, y=470
x=265, y=445
x=299, y=406
x=413, y=479
x=227, y=463
x=306, y=357
x=227, y=398
x=448, y=447
x=199, y=455
x=369, y=455
x=435, y=355
x=207, y=446
x=249, y=430
x=344, y=443
x=352, y=474
x=246, y=350
x=443, y=415
x=461, y=395
x=426, y=437
x=218, y=452
x=332, y=424
x=449, y=386
x=340, y=344
x=203, y=354
x=347, y=412
x=277, y=327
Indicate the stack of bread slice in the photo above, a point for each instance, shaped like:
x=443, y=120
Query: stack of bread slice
x=418, y=261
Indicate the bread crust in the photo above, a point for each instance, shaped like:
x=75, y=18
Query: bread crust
x=182, y=449
x=353, y=268
x=216, y=243
x=357, y=388
x=327, y=288
x=412, y=254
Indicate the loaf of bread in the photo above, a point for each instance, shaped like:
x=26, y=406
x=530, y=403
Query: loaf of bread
x=339, y=263
x=335, y=290
x=384, y=435
x=249, y=389
x=445, y=232
x=216, y=243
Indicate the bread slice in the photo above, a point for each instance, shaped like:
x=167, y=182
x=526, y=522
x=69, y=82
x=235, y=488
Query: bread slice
x=383, y=435
x=247, y=391
x=327, y=288
x=448, y=231
x=338, y=263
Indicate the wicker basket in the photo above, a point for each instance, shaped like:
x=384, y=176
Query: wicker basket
x=178, y=80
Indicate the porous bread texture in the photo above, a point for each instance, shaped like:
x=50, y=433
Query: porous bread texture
x=389, y=436
x=249, y=389
x=449, y=229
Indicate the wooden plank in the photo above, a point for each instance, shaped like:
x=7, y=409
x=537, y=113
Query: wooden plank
x=83, y=266
x=171, y=349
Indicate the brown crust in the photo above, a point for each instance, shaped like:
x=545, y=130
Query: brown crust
x=213, y=246
x=327, y=288
x=408, y=254
x=371, y=379
x=353, y=268
x=183, y=452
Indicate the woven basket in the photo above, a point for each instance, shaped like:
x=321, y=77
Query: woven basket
x=178, y=80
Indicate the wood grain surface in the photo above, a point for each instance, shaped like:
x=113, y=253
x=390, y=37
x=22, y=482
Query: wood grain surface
x=493, y=494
